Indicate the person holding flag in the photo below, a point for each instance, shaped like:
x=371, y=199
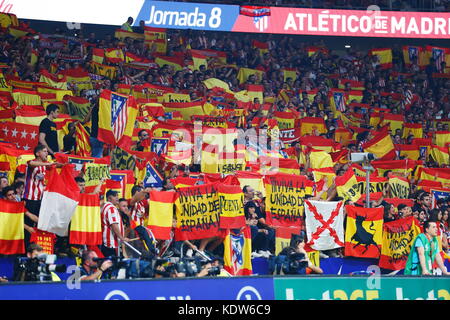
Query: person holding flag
x=424, y=252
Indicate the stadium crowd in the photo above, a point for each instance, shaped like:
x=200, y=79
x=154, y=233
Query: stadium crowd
x=418, y=92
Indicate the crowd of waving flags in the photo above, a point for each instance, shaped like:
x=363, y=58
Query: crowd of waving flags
x=175, y=123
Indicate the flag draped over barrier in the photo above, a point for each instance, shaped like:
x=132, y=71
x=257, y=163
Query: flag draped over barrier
x=324, y=224
x=363, y=232
x=398, y=237
x=237, y=251
x=160, y=218
x=86, y=224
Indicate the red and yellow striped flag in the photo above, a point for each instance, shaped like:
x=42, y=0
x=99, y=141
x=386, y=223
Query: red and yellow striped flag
x=54, y=81
x=83, y=146
x=231, y=201
x=410, y=151
x=114, y=55
x=363, y=235
x=98, y=55
x=442, y=138
x=395, y=121
x=12, y=227
x=312, y=125
x=161, y=213
x=237, y=252
x=440, y=155
x=86, y=224
x=176, y=62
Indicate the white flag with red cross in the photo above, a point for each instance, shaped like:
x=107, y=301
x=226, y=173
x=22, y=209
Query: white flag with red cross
x=324, y=224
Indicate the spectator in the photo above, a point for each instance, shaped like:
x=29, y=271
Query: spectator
x=48, y=136
x=3, y=183
x=69, y=140
x=424, y=252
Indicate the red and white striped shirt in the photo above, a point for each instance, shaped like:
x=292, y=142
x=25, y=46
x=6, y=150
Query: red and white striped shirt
x=34, y=182
x=110, y=216
x=138, y=212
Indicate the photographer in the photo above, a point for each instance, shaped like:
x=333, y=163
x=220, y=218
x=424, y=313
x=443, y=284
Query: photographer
x=89, y=269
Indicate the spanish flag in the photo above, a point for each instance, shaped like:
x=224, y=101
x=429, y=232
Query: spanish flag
x=320, y=159
x=354, y=85
x=216, y=83
x=409, y=151
x=312, y=50
x=442, y=138
x=231, y=201
x=381, y=145
x=441, y=175
x=384, y=57
x=440, y=155
x=80, y=77
x=26, y=97
x=263, y=47
x=199, y=60
x=34, y=57
x=412, y=128
x=289, y=73
x=252, y=179
x=363, y=235
x=53, y=80
x=238, y=251
x=12, y=227
x=286, y=120
x=176, y=62
x=283, y=237
x=244, y=73
x=347, y=186
x=161, y=213
x=343, y=136
x=114, y=55
x=255, y=91
x=98, y=55
x=354, y=95
x=187, y=109
x=395, y=121
x=117, y=115
x=86, y=224
x=123, y=34
x=210, y=158
x=312, y=125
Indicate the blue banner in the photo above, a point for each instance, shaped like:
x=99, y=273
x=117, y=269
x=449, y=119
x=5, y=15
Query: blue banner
x=238, y=288
x=181, y=15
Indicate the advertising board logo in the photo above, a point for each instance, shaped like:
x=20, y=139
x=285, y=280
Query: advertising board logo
x=248, y=293
x=117, y=295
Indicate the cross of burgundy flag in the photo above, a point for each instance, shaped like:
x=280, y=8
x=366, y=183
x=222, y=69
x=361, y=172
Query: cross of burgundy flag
x=324, y=224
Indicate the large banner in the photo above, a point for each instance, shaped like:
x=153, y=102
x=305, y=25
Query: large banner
x=198, y=212
x=285, y=195
x=199, y=16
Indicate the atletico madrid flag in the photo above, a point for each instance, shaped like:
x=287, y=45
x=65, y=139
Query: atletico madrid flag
x=238, y=251
x=364, y=232
x=86, y=224
x=11, y=227
x=117, y=115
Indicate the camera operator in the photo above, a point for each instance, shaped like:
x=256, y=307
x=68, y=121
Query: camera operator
x=89, y=269
x=298, y=257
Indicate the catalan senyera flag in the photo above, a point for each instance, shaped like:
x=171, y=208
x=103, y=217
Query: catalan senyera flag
x=398, y=237
x=395, y=121
x=384, y=57
x=117, y=115
x=440, y=155
x=347, y=186
x=86, y=223
x=442, y=138
x=161, y=213
x=12, y=227
x=363, y=236
x=231, y=201
x=381, y=145
x=310, y=125
x=83, y=146
x=410, y=151
x=244, y=73
x=412, y=128
x=238, y=251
